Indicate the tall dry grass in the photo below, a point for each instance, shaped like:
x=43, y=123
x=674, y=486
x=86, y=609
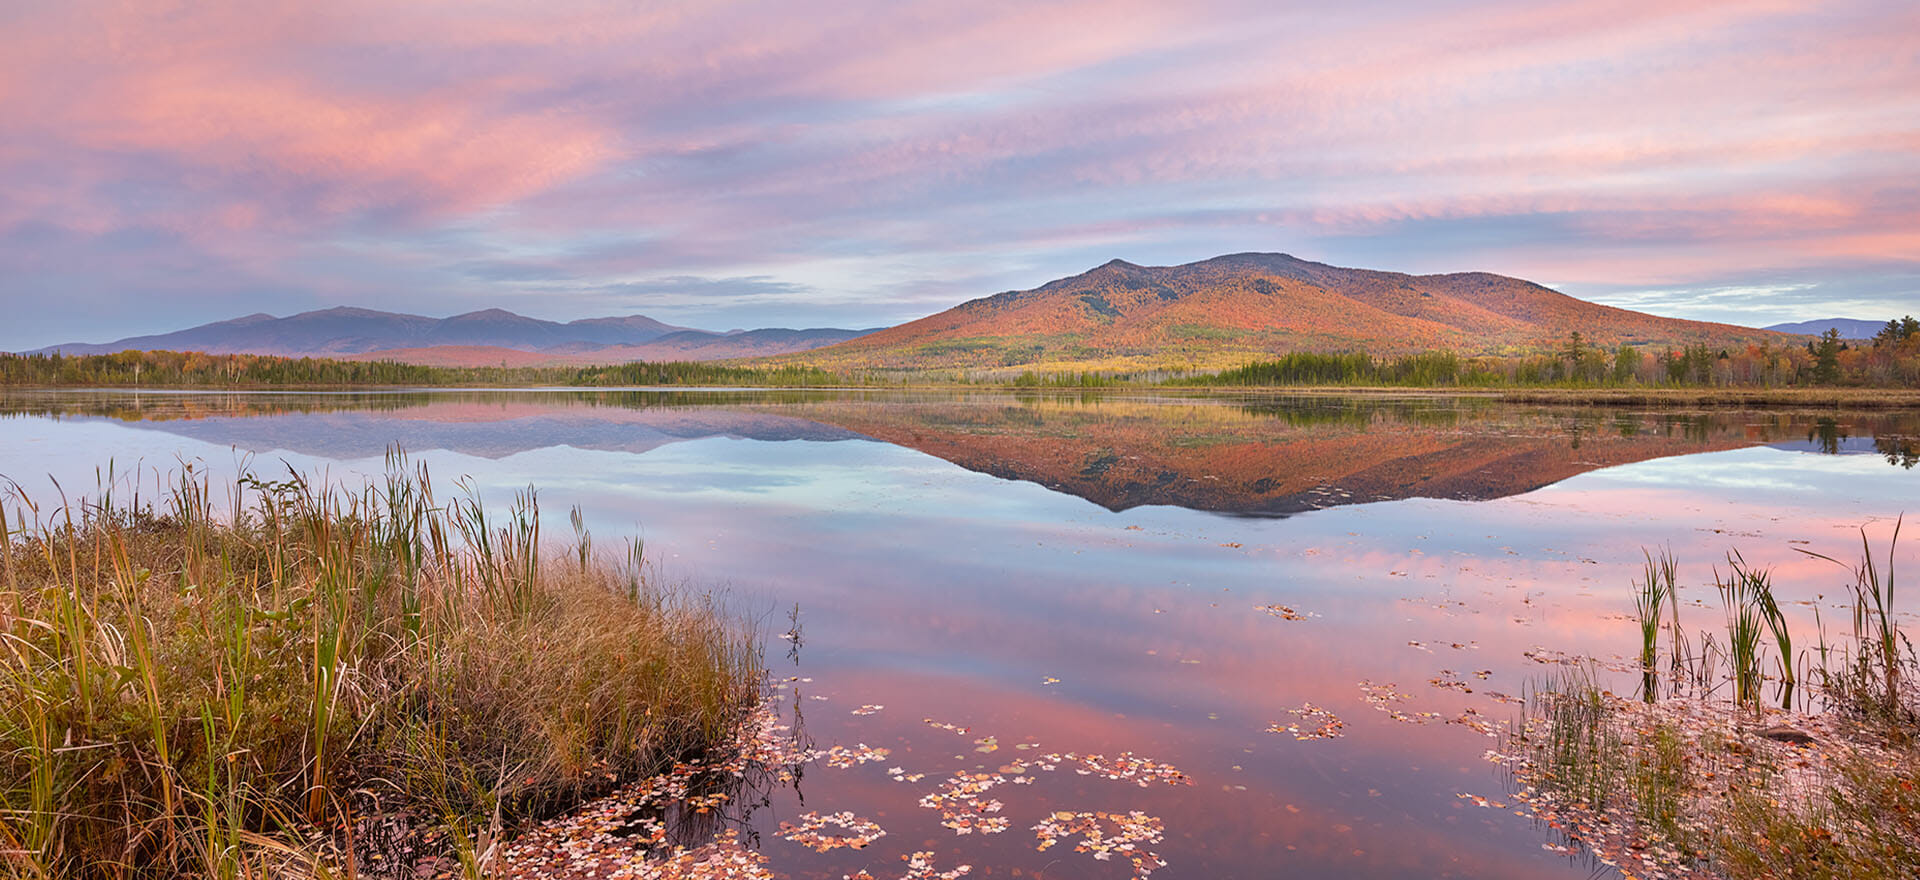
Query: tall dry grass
x=312, y=681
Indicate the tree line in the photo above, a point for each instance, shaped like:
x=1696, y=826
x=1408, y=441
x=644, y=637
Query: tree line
x=178, y=369
x=1890, y=359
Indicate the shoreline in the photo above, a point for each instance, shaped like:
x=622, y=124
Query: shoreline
x=1824, y=398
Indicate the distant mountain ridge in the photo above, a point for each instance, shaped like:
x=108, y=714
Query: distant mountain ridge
x=1213, y=313
x=1850, y=328
x=680, y=345
x=472, y=338
x=1233, y=308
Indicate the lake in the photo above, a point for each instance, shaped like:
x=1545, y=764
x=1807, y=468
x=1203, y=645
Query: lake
x=1103, y=574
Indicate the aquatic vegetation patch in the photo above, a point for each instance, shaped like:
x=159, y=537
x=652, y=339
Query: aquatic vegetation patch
x=1703, y=785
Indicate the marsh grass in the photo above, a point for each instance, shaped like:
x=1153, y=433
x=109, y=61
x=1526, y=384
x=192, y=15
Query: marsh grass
x=1657, y=590
x=1579, y=747
x=1746, y=594
x=275, y=690
x=1707, y=787
x=1657, y=781
x=1580, y=755
x=1717, y=799
x=1874, y=681
x=1865, y=827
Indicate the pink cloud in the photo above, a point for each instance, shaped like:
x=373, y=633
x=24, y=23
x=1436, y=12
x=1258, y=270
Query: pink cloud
x=1697, y=137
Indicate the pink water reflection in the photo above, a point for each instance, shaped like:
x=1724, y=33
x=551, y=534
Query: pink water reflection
x=940, y=588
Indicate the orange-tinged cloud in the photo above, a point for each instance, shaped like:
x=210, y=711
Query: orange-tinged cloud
x=854, y=147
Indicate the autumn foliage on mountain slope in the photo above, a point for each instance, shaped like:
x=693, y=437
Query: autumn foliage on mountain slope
x=1228, y=309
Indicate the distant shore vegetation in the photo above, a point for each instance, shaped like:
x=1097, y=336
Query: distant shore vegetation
x=175, y=369
x=1891, y=360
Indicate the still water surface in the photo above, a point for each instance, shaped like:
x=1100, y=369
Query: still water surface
x=1088, y=573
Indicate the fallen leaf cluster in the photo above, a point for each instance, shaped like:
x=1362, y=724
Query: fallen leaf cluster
x=1383, y=696
x=808, y=832
x=842, y=757
x=1327, y=725
x=1285, y=613
x=1127, y=835
x=919, y=867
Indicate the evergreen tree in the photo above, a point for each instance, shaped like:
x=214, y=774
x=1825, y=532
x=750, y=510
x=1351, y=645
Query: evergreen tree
x=1826, y=367
x=1626, y=363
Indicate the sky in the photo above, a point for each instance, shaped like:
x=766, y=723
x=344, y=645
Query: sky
x=855, y=164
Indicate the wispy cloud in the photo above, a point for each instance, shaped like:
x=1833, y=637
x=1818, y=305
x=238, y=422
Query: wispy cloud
x=874, y=160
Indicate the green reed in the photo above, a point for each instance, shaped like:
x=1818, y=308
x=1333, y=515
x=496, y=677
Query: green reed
x=1740, y=595
x=1718, y=794
x=1655, y=591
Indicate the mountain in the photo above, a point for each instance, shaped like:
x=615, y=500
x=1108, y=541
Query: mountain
x=1214, y=313
x=490, y=336
x=680, y=345
x=699, y=345
x=1850, y=328
x=1232, y=308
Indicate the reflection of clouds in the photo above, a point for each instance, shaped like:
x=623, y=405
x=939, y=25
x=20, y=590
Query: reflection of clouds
x=1764, y=472
x=945, y=593
x=488, y=432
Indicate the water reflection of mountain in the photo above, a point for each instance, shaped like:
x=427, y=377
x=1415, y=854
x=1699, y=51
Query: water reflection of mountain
x=1281, y=457
x=1251, y=456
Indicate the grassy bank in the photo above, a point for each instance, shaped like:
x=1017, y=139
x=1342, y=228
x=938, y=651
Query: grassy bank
x=1848, y=398
x=313, y=681
x=1522, y=379
x=1647, y=397
x=1706, y=783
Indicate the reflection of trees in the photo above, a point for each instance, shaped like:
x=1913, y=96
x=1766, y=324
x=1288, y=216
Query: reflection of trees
x=1901, y=451
x=1828, y=433
x=160, y=406
x=129, y=406
x=1363, y=412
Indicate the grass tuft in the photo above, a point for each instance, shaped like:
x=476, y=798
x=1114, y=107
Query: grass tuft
x=275, y=690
